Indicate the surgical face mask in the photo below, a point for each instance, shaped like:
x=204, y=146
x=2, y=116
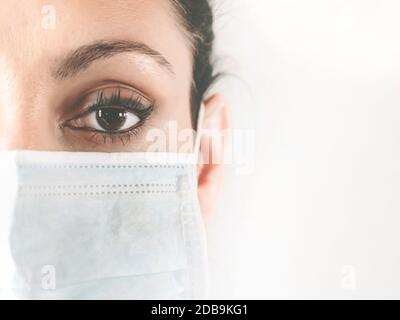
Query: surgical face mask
x=100, y=226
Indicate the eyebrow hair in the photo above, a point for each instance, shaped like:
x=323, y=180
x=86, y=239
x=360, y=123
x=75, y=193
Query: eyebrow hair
x=81, y=58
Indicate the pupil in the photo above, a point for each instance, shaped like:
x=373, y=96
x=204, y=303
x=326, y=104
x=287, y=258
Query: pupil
x=111, y=119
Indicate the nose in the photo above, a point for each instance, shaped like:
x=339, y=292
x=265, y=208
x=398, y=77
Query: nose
x=24, y=122
x=24, y=88
x=15, y=129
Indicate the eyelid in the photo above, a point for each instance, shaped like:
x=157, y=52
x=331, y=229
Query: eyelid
x=119, y=90
x=121, y=87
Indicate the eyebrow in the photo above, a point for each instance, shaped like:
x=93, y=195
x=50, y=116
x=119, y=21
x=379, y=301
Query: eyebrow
x=81, y=58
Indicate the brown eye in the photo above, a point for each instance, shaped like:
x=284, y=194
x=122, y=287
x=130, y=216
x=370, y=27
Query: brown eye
x=108, y=119
x=111, y=119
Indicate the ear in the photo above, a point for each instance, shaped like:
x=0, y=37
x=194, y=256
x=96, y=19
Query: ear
x=214, y=128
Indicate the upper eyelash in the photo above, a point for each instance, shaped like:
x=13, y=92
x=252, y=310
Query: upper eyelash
x=116, y=99
x=135, y=105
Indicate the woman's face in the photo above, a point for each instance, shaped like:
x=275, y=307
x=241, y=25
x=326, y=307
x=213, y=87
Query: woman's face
x=91, y=75
x=102, y=76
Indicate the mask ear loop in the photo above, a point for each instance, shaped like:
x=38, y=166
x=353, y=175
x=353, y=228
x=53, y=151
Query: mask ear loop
x=204, y=279
x=197, y=142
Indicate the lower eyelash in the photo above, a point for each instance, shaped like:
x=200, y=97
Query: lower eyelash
x=124, y=137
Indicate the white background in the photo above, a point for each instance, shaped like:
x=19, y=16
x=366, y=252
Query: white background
x=318, y=81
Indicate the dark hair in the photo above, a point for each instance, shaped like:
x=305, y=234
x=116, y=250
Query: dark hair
x=198, y=19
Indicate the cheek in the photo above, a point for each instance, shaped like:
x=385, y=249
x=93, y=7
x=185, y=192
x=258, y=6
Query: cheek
x=170, y=129
x=179, y=108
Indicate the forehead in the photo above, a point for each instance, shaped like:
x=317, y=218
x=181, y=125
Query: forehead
x=35, y=32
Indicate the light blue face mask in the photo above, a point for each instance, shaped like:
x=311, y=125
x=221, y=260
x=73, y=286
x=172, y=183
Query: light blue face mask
x=100, y=226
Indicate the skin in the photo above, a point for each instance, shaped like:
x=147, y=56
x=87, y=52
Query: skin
x=40, y=92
